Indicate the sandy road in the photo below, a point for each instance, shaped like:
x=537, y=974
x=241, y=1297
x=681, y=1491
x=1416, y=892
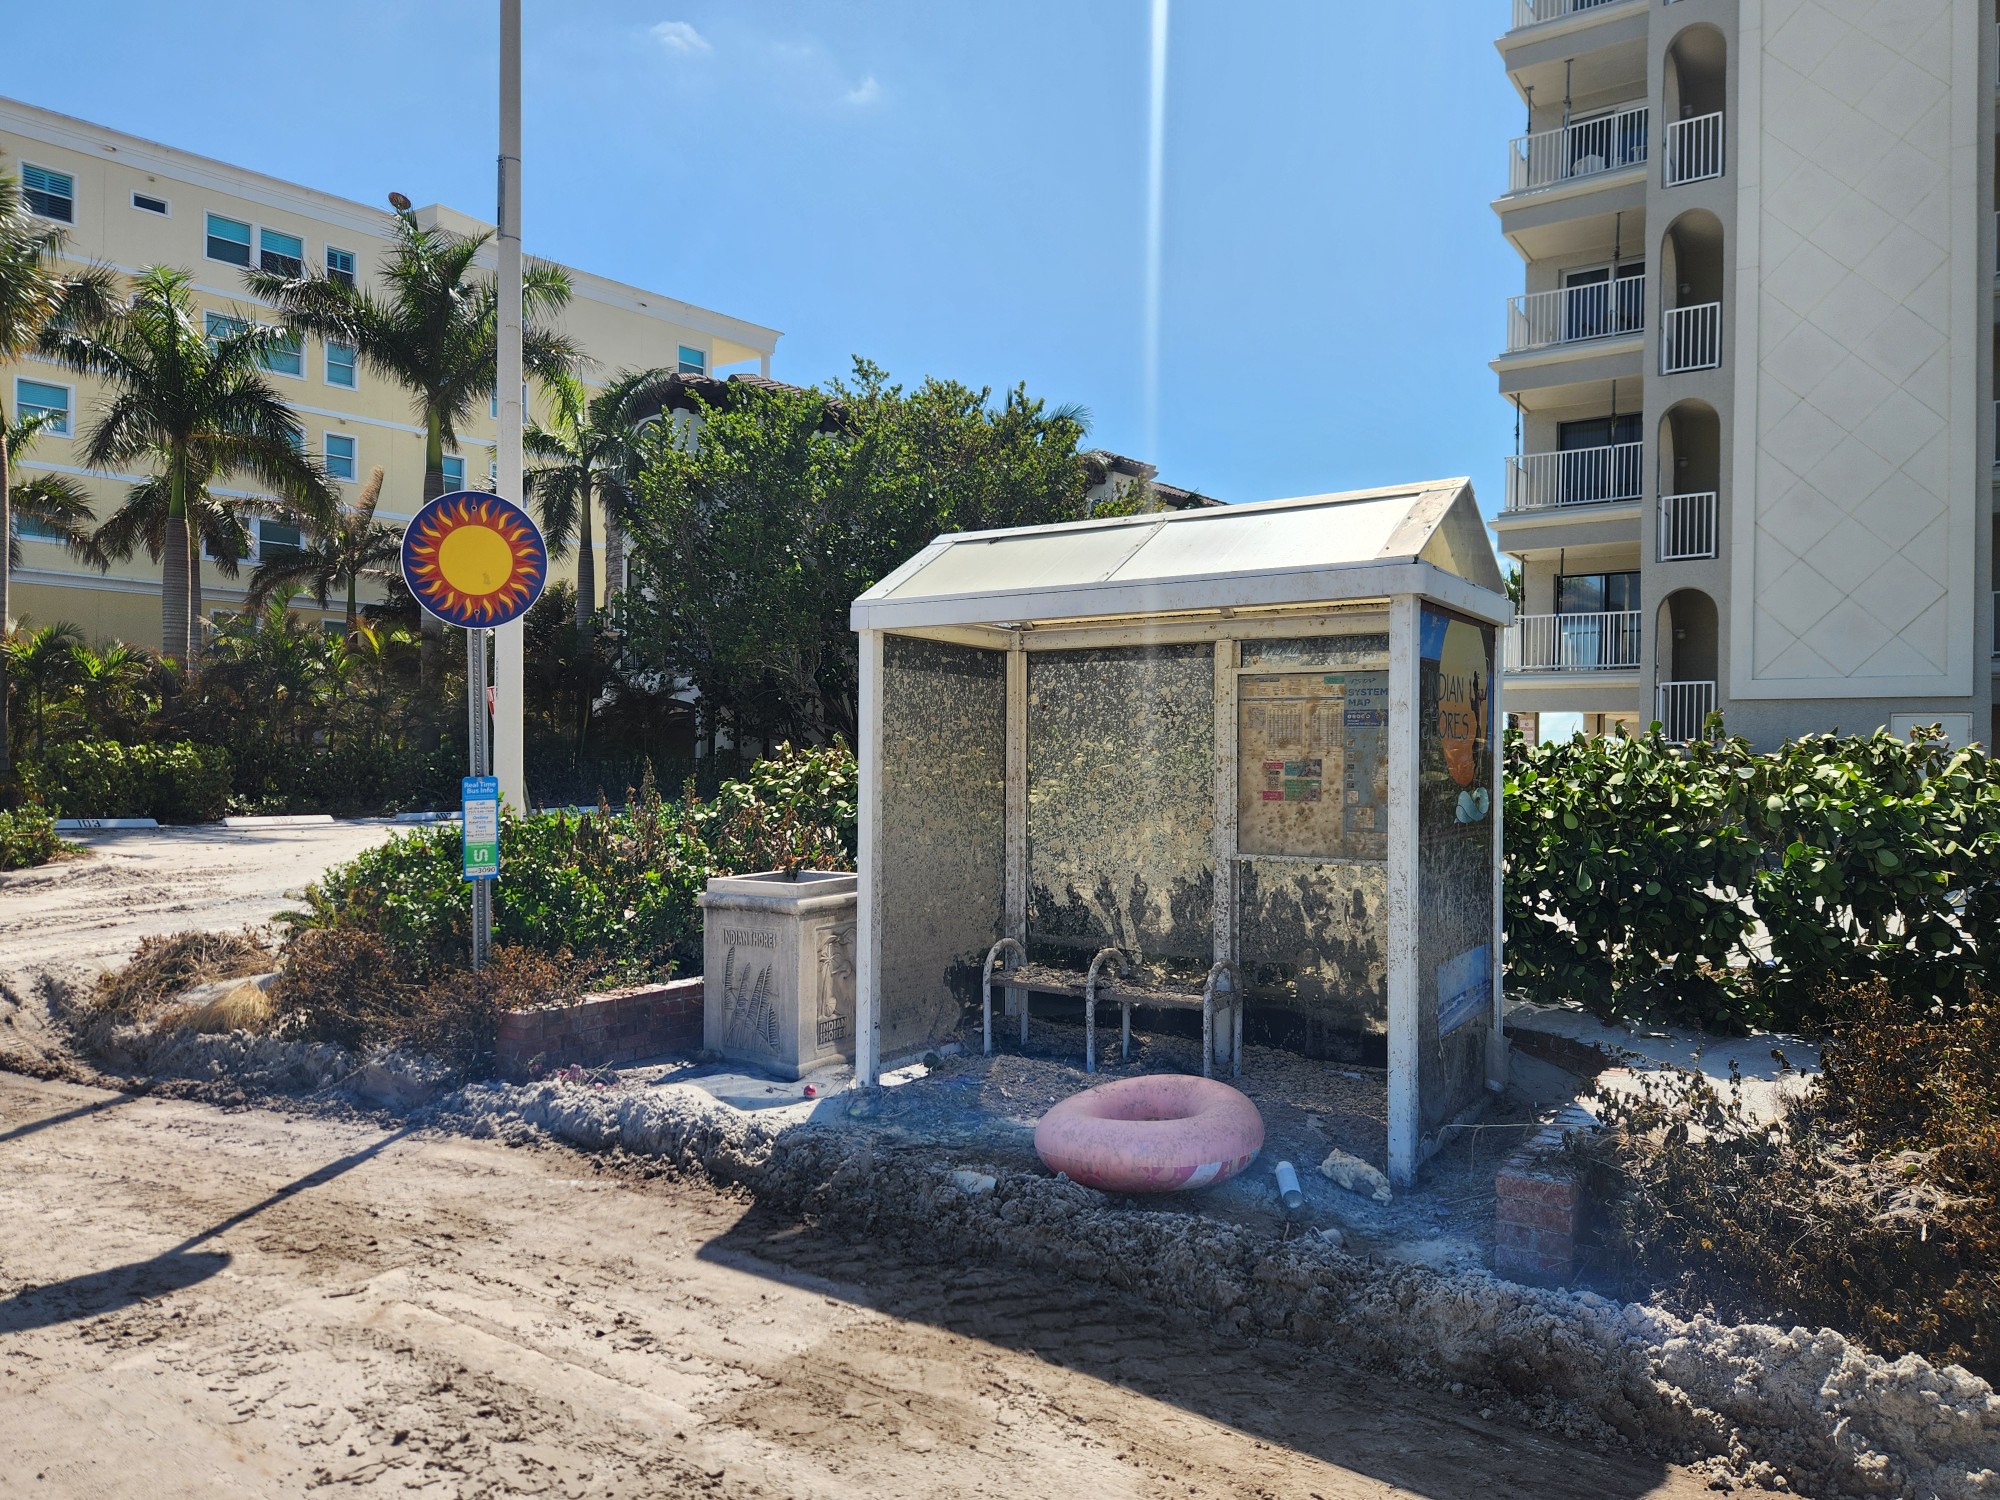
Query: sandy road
x=196, y=1302
x=70, y=919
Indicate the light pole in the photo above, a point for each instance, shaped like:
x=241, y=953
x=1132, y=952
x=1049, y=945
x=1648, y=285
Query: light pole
x=509, y=672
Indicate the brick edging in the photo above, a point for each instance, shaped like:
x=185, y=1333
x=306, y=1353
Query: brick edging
x=618, y=1026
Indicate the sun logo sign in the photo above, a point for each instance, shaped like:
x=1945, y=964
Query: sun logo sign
x=474, y=560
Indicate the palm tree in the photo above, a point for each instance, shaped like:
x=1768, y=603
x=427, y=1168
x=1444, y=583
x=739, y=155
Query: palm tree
x=54, y=502
x=198, y=409
x=44, y=663
x=112, y=685
x=434, y=329
x=338, y=554
x=591, y=453
x=36, y=295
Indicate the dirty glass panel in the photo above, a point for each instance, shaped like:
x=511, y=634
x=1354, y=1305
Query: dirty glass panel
x=1312, y=940
x=1368, y=649
x=1312, y=768
x=1121, y=796
x=1455, y=831
x=943, y=852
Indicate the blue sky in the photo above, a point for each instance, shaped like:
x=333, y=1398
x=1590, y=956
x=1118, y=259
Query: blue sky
x=954, y=188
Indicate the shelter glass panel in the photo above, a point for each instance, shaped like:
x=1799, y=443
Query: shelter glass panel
x=942, y=869
x=1121, y=796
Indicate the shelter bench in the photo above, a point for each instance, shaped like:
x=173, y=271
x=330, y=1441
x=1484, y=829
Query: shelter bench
x=1043, y=979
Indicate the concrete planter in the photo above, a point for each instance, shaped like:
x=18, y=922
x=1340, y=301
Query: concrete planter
x=779, y=964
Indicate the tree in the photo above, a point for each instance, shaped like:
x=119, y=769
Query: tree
x=198, y=409
x=37, y=296
x=434, y=329
x=44, y=663
x=112, y=687
x=754, y=529
x=591, y=452
x=54, y=502
x=339, y=552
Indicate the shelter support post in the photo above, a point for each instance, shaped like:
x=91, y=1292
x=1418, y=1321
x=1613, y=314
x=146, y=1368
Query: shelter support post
x=868, y=841
x=1497, y=1069
x=1404, y=693
x=1016, y=811
x=1224, y=845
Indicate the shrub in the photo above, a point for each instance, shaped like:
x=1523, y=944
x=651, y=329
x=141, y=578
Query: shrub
x=165, y=967
x=618, y=889
x=28, y=838
x=1873, y=1206
x=456, y=1016
x=1638, y=872
x=338, y=985
x=181, y=782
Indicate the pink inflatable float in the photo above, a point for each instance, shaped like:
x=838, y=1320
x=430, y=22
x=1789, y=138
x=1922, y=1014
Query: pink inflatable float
x=1159, y=1134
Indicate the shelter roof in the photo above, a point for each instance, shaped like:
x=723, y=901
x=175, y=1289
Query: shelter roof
x=1272, y=555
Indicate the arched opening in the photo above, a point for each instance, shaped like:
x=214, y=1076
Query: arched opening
x=1694, y=87
x=1691, y=272
x=1689, y=477
x=1686, y=650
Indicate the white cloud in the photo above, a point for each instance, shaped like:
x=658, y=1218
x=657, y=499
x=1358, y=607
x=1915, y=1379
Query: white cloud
x=866, y=92
x=680, y=37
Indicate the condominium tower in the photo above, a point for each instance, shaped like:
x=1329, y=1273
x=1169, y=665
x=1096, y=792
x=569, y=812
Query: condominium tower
x=129, y=203
x=1752, y=365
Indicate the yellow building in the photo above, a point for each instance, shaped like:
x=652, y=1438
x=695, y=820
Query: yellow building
x=130, y=203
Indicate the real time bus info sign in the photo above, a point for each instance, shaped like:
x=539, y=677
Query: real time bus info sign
x=480, y=797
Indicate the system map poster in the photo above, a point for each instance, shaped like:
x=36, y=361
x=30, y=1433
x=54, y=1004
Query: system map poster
x=1312, y=766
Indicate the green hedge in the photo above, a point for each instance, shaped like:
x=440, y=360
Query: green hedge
x=28, y=838
x=176, y=783
x=1721, y=886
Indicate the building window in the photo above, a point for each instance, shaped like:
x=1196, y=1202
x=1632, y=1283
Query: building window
x=50, y=194
x=1596, y=593
x=276, y=539
x=151, y=204
x=281, y=254
x=454, y=472
x=30, y=530
x=340, y=266
x=36, y=398
x=221, y=326
x=285, y=357
x=340, y=455
x=340, y=365
x=228, y=240
x=693, y=361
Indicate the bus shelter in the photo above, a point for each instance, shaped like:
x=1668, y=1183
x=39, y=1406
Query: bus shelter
x=1264, y=734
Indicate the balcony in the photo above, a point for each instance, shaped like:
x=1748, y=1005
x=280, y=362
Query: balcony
x=1683, y=709
x=1576, y=314
x=1534, y=12
x=1687, y=526
x=1580, y=476
x=1693, y=150
x=1602, y=642
x=1690, y=338
x=1583, y=148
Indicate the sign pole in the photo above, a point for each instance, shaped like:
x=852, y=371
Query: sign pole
x=480, y=808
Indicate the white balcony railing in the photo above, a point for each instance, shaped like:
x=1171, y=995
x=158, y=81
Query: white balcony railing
x=1604, y=642
x=1572, y=314
x=1693, y=149
x=1582, y=148
x=1534, y=12
x=1690, y=338
x=1580, y=476
x=1687, y=526
x=1683, y=708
